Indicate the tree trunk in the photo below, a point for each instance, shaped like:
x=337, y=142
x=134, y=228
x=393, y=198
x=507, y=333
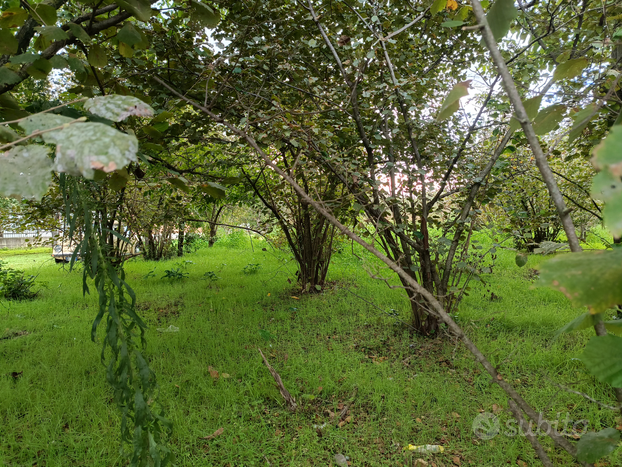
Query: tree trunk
x=180, y=239
x=213, y=230
x=421, y=322
x=314, y=238
x=213, y=226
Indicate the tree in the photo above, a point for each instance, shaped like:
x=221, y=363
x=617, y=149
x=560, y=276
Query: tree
x=309, y=236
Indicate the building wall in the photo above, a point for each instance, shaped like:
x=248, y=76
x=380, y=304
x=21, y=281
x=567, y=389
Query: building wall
x=13, y=243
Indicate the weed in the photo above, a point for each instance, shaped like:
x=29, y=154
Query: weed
x=175, y=274
x=210, y=276
x=150, y=274
x=251, y=268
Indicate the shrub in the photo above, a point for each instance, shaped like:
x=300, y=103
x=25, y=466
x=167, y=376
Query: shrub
x=15, y=284
x=194, y=241
x=236, y=239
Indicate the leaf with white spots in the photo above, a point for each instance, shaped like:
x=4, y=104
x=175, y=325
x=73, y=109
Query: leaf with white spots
x=118, y=108
x=42, y=122
x=84, y=147
x=590, y=278
x=25, y=171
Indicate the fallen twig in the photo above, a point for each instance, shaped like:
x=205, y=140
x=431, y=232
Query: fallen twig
x=291, y=403
x=218, y=432
x=518, y=415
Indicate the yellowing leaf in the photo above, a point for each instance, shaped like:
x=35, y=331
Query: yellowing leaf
x=569, y=69
x=581, y=119
x=452, y=5
x=438, y=6
x=531, y=107
x=452, y=102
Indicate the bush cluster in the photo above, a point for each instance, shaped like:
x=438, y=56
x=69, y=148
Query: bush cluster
x=16, y=284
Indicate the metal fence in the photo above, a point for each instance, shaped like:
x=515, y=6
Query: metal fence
x=26, y=234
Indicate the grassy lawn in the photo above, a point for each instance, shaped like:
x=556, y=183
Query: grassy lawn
x=334, y=349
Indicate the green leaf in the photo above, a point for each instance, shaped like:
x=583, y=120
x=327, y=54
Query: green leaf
x=80, y=33
x=8, y=43
x=59, y=62
x=603, y=358
x=42, y=122
x=586, y=320
x=438, y=6
x=141, y=9
x=594, y=445
x=129, y=35
x=7, y=101
x=152, y=133
x=45, y=13
x=548, y=119
x=118, y=180
x=152, y=146
x=125, y=50
x=452, y=102
x=13, y=18
x=531, y=107
x=40, y=68
x=97, y=56
x=521, y=259
x=589, y=279
x=607, y=184
x=203, y=14
x=7, y=135
x=581, y=119
x=178, y=183
x=162, y=117
x=25, y=171
x=608, y=154
x=8, y=77
x=117, y=108
x=41, y=43
x=76, y=65
x=24, y=58
x=614, y=327
x=232, y=180
x=452, y=24
x=569, y=69
x=213, y=189
x=82, y=148
x=500, y=18
x=463, y=13
x=52, y=33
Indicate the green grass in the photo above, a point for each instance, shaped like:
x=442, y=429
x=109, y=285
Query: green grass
x=330, y=349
